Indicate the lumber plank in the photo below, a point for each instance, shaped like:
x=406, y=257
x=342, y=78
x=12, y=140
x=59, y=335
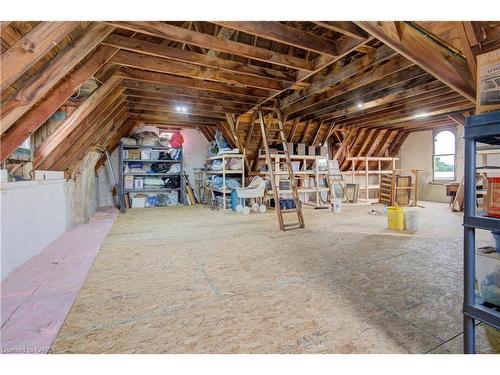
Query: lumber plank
x=344, y=27
x=31, y=48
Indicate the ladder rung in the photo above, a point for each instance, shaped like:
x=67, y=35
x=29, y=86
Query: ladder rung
x=288, y=210
x=292, y=226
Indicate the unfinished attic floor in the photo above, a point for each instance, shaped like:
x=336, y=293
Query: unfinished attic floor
x=192, y=280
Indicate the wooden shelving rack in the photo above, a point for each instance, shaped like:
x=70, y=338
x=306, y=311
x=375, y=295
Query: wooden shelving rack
x=308, y=177
x=367, y=172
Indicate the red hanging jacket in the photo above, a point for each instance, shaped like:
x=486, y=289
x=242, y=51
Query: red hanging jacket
x=177, y=140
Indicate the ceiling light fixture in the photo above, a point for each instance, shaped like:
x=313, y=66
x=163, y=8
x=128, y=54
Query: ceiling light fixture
x=360, y=105
x=421, y=115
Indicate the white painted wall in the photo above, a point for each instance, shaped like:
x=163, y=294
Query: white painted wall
x=195, y=152
x=33, y=214
x=416, y=153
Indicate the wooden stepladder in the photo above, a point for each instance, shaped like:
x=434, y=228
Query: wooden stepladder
x=266, y=131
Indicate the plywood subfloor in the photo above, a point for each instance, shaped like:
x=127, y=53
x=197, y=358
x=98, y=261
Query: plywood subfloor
x=192, y=280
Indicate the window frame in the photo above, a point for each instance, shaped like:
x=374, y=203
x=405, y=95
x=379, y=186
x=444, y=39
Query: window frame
x=434, y=135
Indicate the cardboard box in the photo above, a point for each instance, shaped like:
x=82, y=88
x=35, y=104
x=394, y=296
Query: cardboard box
x=488, y=82
x=323, y=151
x=134, y=154
x=312, y=151
x=301, y=149
x=128, y=182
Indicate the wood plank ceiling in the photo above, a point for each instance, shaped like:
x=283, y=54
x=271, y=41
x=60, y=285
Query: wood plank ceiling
x=364, y=86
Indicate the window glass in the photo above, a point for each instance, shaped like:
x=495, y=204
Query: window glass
x=444, y=156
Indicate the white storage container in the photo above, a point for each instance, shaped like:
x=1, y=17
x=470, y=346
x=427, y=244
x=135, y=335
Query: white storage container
x=145, y=154
x=488, y=276
x=295, y=166
x=138, y=202
x=138, y=183
x=312, y=150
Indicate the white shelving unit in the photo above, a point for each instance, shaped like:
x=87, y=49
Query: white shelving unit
x=224, y=172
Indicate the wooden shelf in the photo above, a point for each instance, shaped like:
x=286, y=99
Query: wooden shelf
x=222, y=156
x=239, y=171
x=152, y=160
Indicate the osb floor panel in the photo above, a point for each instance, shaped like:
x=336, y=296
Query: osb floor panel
x=192, y=280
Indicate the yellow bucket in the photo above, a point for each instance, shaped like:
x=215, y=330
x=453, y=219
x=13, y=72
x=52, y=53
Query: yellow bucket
x=395, y=218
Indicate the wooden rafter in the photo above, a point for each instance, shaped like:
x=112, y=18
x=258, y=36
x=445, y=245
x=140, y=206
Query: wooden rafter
x=282, y=33
x=52, y=102
x=31, y=48
x=40, y=84
x=180, y=34
x=434, y=58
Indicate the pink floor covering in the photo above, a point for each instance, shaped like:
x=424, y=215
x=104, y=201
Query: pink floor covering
x=37, y=297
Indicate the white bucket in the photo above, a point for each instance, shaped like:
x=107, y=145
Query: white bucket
x=411, y=220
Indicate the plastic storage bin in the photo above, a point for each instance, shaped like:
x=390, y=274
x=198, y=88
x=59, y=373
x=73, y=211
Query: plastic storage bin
x=395, y=218
x=493, y=197
x=488, y=276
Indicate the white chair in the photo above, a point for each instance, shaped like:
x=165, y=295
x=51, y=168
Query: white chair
x=255, y=190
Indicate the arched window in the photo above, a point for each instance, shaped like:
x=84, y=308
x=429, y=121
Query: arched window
x=444, y=156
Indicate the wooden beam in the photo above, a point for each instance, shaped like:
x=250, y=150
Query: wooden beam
x=159, y=50
x=344, y=27
x=145, y=108
x=356, y=67
x=154, y=77
x=158, y=97
x=179, y=34
x=31, y=48
x=39, y=85
x=175, y=102
x=158, y=64
x=393, y=66
x=90, y=138
x=161, y=89
x=434, y=58
x=466, y=49
x=458, y=119
x=282, y=33
x=74, y=120
x=52, y=102
x=78, y=142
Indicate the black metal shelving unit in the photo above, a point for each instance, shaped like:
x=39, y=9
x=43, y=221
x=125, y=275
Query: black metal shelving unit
x=483, y=128
x=121, y=174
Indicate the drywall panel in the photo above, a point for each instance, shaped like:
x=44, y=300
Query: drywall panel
x=33, y=214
